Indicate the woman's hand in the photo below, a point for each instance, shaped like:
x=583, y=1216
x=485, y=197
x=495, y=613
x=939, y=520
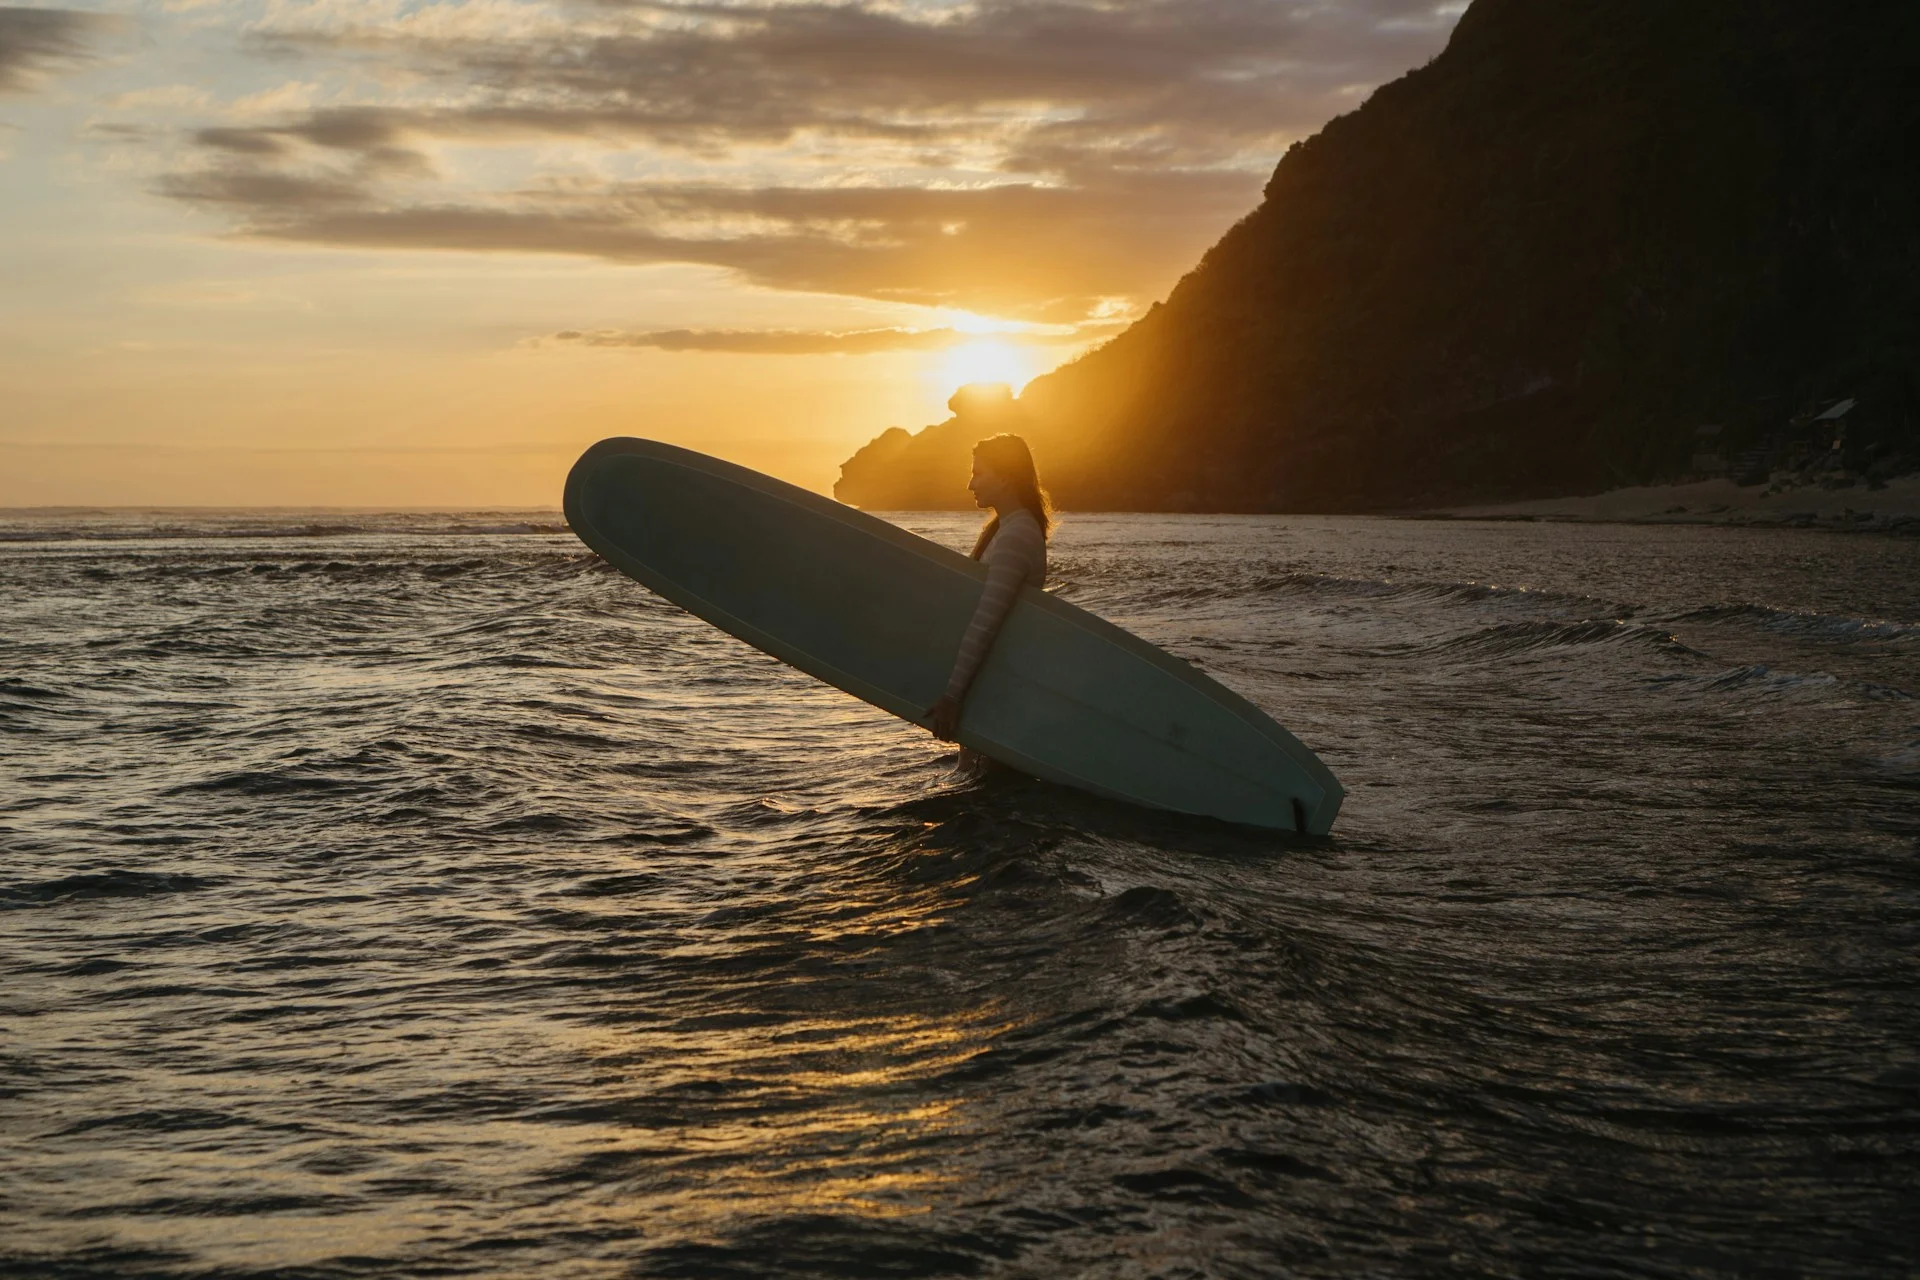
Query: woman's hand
x=943, y=717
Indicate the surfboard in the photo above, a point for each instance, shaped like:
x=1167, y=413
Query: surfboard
x=879, y=612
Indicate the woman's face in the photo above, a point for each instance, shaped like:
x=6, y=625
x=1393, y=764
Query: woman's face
x=989, y=490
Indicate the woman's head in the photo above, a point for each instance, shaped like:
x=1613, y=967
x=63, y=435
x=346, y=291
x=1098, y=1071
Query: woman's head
x=1004, y=478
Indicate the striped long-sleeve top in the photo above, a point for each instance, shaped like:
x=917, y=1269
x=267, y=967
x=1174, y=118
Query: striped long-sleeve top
x=1016, y=556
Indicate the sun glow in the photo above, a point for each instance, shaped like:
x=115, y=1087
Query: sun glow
x=988, y=360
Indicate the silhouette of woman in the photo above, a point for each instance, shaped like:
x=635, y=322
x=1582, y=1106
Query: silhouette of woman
x=1013, y=546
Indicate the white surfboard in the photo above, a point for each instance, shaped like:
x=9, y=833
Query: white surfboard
x=879, y=612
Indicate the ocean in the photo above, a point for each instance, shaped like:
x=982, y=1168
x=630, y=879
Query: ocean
x=410, y=894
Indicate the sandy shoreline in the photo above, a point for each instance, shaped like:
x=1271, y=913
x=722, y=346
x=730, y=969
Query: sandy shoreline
x=1892, y=509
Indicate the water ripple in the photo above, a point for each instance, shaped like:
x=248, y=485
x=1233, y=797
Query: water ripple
x=395, y=895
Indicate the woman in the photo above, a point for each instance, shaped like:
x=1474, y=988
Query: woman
x=1013, y=546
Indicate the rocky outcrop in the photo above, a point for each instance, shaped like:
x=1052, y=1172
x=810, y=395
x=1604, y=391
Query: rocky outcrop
x=899, y=470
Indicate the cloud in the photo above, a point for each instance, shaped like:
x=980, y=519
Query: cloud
x=162, y=97
x=35, y=43
x=1192, y=81
x=1019, y=249
x=1023, y=156
x=812, y=342
x=783, y=342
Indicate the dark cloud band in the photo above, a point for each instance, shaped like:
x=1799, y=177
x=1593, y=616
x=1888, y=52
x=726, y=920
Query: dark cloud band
x=37, y=42
x=782, y=342
x=1016, y=249
x=801, y=342
x=1177, y=81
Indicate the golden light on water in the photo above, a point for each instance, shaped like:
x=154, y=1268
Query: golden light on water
x=825, y=1113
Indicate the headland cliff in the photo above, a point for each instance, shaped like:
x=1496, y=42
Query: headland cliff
x=1589, y=245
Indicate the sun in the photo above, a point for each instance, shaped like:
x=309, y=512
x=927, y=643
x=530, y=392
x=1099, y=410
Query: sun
x=987, y=360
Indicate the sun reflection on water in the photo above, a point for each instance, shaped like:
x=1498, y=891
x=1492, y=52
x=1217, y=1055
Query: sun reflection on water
x=814, y=1114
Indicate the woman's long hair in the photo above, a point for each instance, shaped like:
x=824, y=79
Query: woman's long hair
x=1008, y=457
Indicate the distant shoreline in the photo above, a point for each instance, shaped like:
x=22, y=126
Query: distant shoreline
x=1893, y=509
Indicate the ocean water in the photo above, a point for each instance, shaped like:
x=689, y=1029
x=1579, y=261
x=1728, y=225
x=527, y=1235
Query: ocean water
x=412, y=895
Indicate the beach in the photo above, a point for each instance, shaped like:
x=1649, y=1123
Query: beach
x=1892, y=508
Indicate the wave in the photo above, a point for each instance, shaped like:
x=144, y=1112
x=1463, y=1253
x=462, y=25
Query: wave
x=1819, y=626
x=1903, y=762
x=115, y=883
x=12, y=689
x=1510, y=638
x=74, y=525
x=133, y=563
x=31, y=708
x=1761, y=682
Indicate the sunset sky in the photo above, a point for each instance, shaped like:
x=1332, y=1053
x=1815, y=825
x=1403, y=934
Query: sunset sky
x=360, y=252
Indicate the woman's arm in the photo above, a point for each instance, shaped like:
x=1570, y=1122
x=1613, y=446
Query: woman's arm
x=1007, y=568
